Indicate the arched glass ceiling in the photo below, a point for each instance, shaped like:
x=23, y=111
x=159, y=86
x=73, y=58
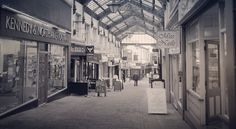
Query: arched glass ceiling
x=147, y=14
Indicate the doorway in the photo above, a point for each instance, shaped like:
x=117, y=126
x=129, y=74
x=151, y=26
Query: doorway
x=213, y=92
x=43, y=74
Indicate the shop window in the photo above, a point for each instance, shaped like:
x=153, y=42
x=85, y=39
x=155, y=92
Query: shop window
x=57, y=68
x=92, y=71
x=18, y=73
x=195, y=67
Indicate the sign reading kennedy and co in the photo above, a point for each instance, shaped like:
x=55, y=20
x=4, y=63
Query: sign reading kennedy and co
x=24, y=27
x=167, y=39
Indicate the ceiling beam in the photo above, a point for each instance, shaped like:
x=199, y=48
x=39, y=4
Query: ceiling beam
x=128, y=27
x=94, y=15
x=145, y=7
x=126, y=34
x=124, y=29
x=123, y=36
x=119, y=21
x=158, y=13
x=103, y=10
x=107, y=11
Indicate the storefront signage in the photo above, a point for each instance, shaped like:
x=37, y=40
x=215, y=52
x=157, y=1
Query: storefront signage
x=94, y=58
x=25, y=27
x=124, y=58
x=167, y=39
x=77, y=49
x=89, y=50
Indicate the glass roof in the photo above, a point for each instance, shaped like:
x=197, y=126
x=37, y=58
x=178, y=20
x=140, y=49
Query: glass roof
x=141, y=12
x=92, y=5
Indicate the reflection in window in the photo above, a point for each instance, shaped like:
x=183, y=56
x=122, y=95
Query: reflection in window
x=57, y=68
x=92, y=70
x=195, y=67
x=18, y=73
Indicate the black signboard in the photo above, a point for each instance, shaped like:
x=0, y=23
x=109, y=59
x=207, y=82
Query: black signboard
x=90, y=50
x=155, y=50
x=21, y=26
x=124, y=58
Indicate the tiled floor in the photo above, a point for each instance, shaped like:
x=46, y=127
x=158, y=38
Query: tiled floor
x=119, y=110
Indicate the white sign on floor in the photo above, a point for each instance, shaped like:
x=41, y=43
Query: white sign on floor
x=156, y=101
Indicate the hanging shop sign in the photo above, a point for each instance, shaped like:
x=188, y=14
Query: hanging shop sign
x=176, y=49
x=21, y=26
x=167, y=39
x=90, y=50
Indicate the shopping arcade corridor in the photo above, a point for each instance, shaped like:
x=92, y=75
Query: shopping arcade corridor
x=119, y=110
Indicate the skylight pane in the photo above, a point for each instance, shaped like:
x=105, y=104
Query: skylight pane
x=147, y=14
x=158, y=3
x=99, y=10
x=92, y=5
x=147, y=3
x=116, y=18
x=113, y=15
x=105, y=20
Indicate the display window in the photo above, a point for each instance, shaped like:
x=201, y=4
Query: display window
x=195, y=67
x=18, y=72
x=57, y=68
x=92, y=70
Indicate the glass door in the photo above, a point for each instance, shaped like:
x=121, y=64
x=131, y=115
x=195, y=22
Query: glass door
x=213, y=96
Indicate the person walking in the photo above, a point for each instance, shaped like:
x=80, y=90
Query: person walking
x=135, y=78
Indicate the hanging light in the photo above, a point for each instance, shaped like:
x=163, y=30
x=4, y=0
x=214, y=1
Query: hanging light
x=114, y=6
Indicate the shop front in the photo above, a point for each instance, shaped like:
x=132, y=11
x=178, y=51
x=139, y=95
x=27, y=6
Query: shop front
x=78, y=63
x=33, y=60
x=78, y=83
x=103, y=69
x=206, y=91
x=93, y=69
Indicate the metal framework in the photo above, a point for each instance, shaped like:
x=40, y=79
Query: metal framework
x=147, y=14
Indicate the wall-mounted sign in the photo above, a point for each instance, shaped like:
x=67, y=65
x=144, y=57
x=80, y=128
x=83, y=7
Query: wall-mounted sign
x=18, y=25
x=89, y=50
x=75, y=48
x=155, y=50
x=124, y=58
x=94, y=58
x=167, y=39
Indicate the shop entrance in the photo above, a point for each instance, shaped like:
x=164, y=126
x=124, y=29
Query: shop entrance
x=213, y=97
x=43, y=74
